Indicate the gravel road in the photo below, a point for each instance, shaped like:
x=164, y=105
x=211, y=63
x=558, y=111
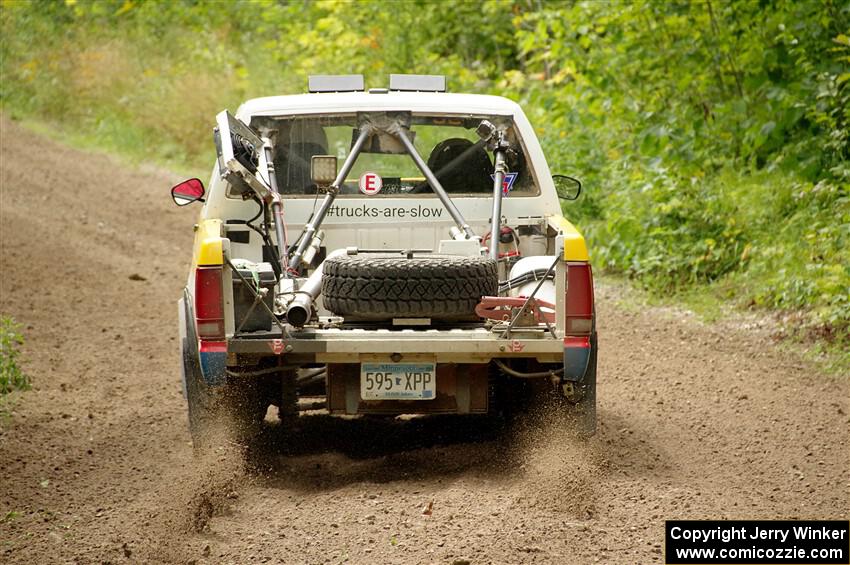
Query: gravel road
x=696, y=421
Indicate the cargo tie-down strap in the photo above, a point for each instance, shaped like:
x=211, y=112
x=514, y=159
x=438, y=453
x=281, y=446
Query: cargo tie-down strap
x=501, y=307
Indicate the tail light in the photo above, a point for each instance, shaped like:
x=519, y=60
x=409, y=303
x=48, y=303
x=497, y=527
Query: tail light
x=579, y=314
x=209, y=304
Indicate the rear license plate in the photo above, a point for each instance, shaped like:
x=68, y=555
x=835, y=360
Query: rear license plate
x=398, y=381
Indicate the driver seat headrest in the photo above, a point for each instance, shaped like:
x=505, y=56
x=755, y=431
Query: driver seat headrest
x=461, y=166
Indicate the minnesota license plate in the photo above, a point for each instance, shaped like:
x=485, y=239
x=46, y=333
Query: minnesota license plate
x=398, y=381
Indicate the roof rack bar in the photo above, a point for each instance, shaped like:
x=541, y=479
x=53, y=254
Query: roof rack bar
x=418, y=83
x=335, y=83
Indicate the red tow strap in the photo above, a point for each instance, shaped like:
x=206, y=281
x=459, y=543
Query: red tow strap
x=501, y=308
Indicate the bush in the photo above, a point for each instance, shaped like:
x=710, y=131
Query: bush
x=11, y=376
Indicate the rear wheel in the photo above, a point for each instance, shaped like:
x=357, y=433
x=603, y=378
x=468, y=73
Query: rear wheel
x=232, y=411
x=243, y=408
x=199, y=398
x=514, y=398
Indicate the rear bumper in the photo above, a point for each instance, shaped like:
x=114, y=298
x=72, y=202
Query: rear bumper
x=476, y=345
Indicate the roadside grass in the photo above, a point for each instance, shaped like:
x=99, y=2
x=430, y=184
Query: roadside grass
x=121, y=141
x=716, y=304
x=10, y=516
x=12, y=377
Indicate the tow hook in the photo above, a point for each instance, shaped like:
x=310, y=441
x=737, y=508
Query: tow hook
x=572, y=392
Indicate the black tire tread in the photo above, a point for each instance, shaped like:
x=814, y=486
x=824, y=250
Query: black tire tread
x=442, y=287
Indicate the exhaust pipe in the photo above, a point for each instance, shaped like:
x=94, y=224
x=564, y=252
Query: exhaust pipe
x=300, y=310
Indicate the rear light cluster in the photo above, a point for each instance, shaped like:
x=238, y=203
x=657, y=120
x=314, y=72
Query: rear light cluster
x=579, y=315
x=209, y=303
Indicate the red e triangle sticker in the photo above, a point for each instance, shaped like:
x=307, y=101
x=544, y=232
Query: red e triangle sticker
x=508, y=183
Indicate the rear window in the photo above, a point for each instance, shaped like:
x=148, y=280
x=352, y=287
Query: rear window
x=448, y=144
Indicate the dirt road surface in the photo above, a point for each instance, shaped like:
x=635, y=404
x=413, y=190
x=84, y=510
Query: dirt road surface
x=696, y=421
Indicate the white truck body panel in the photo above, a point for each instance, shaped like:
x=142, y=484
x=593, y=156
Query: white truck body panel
x=402, y=216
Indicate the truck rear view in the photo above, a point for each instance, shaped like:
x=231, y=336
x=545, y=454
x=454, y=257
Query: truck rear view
x=384, y=251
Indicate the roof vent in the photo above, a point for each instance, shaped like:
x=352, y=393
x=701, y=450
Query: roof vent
x=335, y=83
x=418, y=83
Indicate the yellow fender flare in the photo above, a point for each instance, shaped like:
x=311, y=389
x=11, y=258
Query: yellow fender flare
x=208, y=249
x=575, y=248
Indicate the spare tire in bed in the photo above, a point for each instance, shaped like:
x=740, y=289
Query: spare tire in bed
x=381, y=287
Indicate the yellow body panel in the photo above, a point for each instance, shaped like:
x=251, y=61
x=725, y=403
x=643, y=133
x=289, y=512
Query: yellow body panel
x=575, y=248
x=208, y=249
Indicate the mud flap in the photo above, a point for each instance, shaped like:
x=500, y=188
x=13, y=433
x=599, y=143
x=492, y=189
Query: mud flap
x=578, y=383
x=184, y=344
x=577, y=353
x=213, y=356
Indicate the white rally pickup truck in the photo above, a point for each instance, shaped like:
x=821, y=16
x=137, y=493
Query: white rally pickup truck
x=386, y=251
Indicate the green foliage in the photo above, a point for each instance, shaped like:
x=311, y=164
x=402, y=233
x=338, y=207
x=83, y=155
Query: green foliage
x=713, y=136
x=11, y=376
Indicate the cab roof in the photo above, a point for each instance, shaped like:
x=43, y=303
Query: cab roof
x=377, y=100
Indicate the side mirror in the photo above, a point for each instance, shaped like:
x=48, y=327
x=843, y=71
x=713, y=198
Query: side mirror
x=187, y=192
x=567, y=188
x=323, y=169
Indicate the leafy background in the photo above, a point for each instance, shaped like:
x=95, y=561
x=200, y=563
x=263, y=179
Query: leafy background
x=713, y=136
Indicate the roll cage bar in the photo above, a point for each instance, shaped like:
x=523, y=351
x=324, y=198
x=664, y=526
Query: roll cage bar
x=238, y=146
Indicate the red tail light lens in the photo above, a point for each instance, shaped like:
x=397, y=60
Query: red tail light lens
x=579, y=299
x=209, y=304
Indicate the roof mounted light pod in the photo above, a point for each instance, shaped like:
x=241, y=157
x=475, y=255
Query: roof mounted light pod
x=418, y=83
x=336, y=83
